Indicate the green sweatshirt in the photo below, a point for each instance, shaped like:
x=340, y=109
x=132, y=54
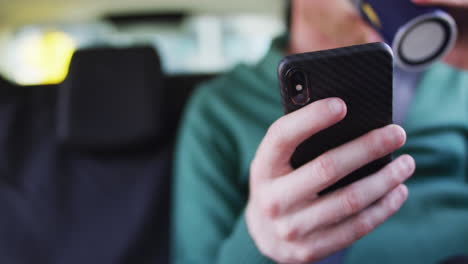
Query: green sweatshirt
x=225, y=122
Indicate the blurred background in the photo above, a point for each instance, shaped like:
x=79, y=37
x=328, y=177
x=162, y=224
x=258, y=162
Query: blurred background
x=38, y=37
x=86, y=142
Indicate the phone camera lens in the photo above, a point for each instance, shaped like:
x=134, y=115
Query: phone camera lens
x=298, y=87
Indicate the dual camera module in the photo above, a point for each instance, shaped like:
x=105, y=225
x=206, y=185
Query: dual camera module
x=298, y=87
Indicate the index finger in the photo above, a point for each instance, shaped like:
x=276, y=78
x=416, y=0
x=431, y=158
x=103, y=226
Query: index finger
x=285, y=135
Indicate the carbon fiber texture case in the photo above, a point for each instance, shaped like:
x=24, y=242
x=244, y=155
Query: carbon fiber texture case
x=362, y=76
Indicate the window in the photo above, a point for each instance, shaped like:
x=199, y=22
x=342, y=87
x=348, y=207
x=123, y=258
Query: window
x=40, y=54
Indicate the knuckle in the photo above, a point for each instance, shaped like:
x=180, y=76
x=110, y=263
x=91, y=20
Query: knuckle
x=362, y=226
x=271, y=208
x=286, y=231
x=352, y=201
x=325, y=168
x=304, y=255
x=276, y=132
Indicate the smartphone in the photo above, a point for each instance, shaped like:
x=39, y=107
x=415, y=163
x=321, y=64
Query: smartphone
x=362, y=76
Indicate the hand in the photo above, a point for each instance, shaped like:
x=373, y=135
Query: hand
x=286, y=218
x=458, y=57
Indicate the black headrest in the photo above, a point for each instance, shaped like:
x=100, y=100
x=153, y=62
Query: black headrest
x=112, y=99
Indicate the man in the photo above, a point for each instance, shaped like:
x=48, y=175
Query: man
x=237, y=200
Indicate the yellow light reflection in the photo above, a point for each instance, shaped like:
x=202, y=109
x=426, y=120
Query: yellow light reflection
x=49, y=56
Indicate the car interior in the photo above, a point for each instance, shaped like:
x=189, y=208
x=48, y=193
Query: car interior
x=91, y=95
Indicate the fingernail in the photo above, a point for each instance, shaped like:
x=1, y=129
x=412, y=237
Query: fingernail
x=407, y=163
x=335, y=105
x=403, y=189
x=399, y=196
x=398, y=133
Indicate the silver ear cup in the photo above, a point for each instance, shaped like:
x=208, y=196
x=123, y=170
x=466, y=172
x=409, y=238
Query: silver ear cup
x=424, y=40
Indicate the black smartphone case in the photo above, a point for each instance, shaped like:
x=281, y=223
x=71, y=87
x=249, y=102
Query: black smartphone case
x=362, y=76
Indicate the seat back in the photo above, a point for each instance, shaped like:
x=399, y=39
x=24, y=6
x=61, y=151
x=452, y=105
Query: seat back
x=111, y=100
x=84, y=165
x=111, y=130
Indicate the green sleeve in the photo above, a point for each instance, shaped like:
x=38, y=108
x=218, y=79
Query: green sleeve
x=209, y=200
